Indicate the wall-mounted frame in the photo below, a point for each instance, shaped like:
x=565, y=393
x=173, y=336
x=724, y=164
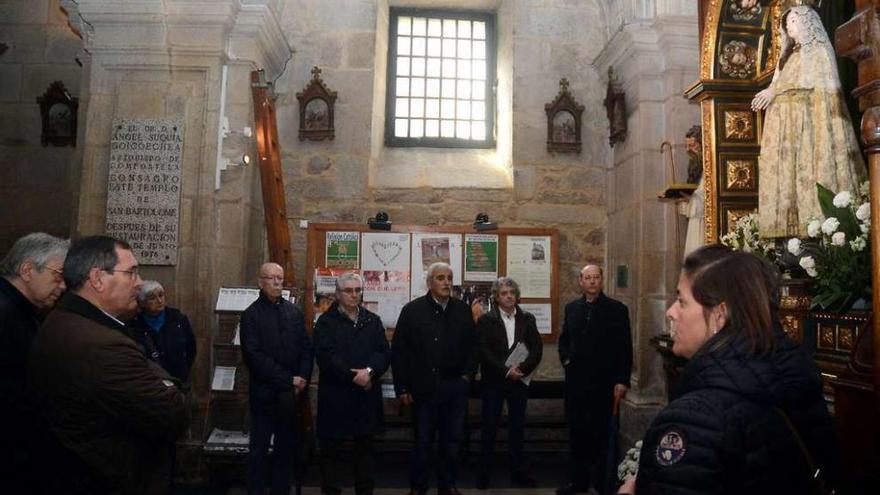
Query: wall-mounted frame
x=58, y=110
x=316, y=110
x=564, y=121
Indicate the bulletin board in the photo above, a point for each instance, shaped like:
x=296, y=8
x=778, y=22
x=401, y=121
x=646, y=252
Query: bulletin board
x=392, y=264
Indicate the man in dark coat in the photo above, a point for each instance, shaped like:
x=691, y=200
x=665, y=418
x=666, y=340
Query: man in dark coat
x=278, y=354
x=352, y=355
x=595, y=349
x=30, y=284
x=501, y=330
x=113, y=411
x=164, y=332
x=434, y=356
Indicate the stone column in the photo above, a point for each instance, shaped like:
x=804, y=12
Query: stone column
x=655, y=55
x=162, y=59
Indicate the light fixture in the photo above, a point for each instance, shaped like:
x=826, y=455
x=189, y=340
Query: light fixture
x=380, y=221
x=245, y=159
x=482, y=222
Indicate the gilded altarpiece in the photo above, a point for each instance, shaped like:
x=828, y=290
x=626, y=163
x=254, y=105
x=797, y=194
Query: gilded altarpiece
x=738, y=55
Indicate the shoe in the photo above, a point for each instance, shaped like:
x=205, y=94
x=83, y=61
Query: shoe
x=448, y=491
x=482, y=481
x=523, y=480
x=571, y=489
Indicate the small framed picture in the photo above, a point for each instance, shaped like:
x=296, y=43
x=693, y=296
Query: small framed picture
x=58, y=110
x=316, y=104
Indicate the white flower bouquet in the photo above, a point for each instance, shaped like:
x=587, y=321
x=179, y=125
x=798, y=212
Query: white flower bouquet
x=629, y=466
x=745, y=238
x=836, y=256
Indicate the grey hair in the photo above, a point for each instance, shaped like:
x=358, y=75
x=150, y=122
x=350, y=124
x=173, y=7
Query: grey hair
x=37, y=248
x=504, y=282
x=148, y=287
x=433, y=268
x=347, y=277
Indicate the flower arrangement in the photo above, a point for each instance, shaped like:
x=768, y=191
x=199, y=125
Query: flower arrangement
x=629, y=466
x=745, y=238
x=837, y=255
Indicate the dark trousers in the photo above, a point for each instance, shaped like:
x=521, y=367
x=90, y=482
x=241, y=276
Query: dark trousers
x=516, y=394
x=444, y=415
x=331, y=464
x=588, y=414
x=263, y=424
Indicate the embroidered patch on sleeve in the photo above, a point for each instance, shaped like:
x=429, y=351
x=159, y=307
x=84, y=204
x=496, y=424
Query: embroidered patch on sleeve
x=672, y=447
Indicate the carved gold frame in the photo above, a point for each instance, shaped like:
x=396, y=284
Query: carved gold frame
x=711, y=87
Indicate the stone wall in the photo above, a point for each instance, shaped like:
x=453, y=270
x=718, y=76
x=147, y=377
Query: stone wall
x=655, y=53
x=35, y=180
x=350, y=178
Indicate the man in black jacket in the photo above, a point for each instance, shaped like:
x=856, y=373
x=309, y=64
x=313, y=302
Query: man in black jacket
x=501, y=331
x=595, y=349
x=278, y=353
x=30, y=283
x=353, y=354
x=434, y=356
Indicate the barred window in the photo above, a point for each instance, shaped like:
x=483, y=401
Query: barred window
x=441, y=78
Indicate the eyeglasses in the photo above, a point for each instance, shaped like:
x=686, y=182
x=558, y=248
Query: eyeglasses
x=56, y=273
x=132, y=274
x=276, y=278
x=352, y=290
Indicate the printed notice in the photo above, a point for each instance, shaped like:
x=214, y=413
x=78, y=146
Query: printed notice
x=238, y=299
x=341, y=250
x=143, y=187
x=528, y=262
x=224, y=378
x=480, y=257
x=543, y=316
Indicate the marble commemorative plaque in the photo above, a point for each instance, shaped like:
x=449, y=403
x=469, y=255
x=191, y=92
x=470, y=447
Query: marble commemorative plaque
x=143, y=187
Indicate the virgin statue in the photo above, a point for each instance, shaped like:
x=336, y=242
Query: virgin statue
x=807, y=137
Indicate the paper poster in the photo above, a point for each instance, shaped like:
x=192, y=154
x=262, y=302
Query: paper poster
x=432, y=248
x=341, y=250
x=238, y=299
x=528, y=262
x=388, y=308
x=480, y=257
x=543, y=316
x=385, y=283
x=383, y=252
x=224, y=378
x=325, y=279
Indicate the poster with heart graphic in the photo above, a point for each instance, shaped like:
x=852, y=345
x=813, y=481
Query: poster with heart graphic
x=385, y=252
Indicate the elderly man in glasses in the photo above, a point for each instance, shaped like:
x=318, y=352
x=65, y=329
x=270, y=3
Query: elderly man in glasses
x=112, y=410
x=30, y=284
x=352, y=355
x=278, y=354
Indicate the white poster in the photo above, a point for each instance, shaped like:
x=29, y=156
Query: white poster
x=543, y=316
x=382, y=251
x=239, y=298
x=528, y=262
x=432, y=248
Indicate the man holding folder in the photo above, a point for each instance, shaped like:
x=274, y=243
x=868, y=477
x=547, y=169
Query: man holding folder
x=510, y=350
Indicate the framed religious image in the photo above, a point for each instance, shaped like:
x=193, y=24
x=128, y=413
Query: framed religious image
x=58, y=110
x=316, y=104
x=564, y=121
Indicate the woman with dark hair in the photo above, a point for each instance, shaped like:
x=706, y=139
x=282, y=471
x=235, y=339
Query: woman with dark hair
x=748, y=414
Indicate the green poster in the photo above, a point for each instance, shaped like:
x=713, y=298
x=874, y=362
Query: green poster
x=342, y=250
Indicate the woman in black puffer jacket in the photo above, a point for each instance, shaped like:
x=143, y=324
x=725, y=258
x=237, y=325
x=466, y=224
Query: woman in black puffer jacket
x=747, y=386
